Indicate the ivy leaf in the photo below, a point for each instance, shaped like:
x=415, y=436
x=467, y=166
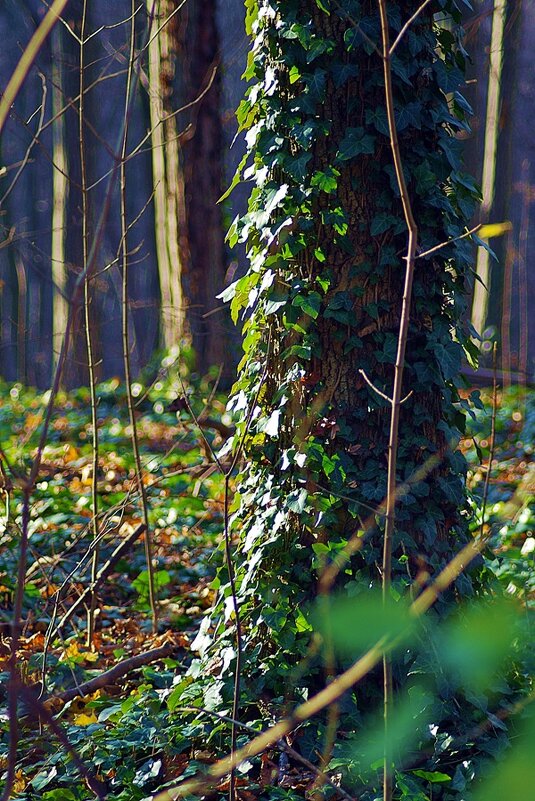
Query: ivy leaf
x=449, y=357
x=228, y=293
x=378, y=118
x=382, y=222
x=296, y=501
x=309, y=303
x=318, y=47
x=326, y=180
x=271, y=425
x=354, y=143
x=251, y=15
x=434, y=777
x=409, y=115
x=316, y=84
x=274, y=197
x=449, y=78
x=365, y=34
x=343, y=72
x=273, y=305
x=296, y=165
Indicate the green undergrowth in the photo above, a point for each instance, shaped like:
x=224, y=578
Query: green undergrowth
x=137, y=733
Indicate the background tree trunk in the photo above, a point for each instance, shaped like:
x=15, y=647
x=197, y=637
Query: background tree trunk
x=25, y=267
x=204, y=276
x=504, y=314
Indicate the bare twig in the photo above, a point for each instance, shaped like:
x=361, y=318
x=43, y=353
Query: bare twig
x=283, y=745
x=35, y=139
x=96, y=786
x=110, y=676
x=88, y=333
x=28, y=57
x=126, y=338
x=406, y=27
x=434, y=249
x=101, y=576
x=398, y=380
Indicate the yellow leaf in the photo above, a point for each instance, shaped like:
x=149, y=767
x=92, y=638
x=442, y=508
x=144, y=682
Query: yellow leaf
x=71, y=453
x=495, y=229
x=85, y=720
x=19, y=785
x=33, y=420
x=91, y=656
x=71, y=651
x=86, y=478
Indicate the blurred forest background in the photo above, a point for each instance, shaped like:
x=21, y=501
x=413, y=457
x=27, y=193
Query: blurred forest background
x=181, y=153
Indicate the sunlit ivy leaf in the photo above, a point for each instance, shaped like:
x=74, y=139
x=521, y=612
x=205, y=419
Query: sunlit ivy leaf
x=274, y=196
x=296, y=501
x=327, y=180
x=435, y=777
x=147, y=772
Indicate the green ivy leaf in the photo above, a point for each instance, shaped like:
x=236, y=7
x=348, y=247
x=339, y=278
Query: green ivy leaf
x=310, y=304
x=355, y=143
x=435, y=777
x=296, y=501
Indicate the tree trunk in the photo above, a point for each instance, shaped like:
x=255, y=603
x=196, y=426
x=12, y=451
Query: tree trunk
x=198, y=82
x=25, y=207
x=502, y=312
x=322, y=300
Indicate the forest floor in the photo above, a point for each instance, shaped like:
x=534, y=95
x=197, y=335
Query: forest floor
x=121, y=726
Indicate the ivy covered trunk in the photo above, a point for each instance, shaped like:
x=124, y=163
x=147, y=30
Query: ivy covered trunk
x=321, y=301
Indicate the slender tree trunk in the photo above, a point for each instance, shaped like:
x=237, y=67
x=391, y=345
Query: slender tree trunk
x=25, y=208
x=198, y=81
x=169, y=205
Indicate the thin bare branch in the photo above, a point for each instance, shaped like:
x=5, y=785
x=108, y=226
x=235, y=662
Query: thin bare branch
x=28, y=57
x=406, y=27
x=32, y=144
x=126, y=334
x=166, y=22
x=434, y=249
x=398, y=382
